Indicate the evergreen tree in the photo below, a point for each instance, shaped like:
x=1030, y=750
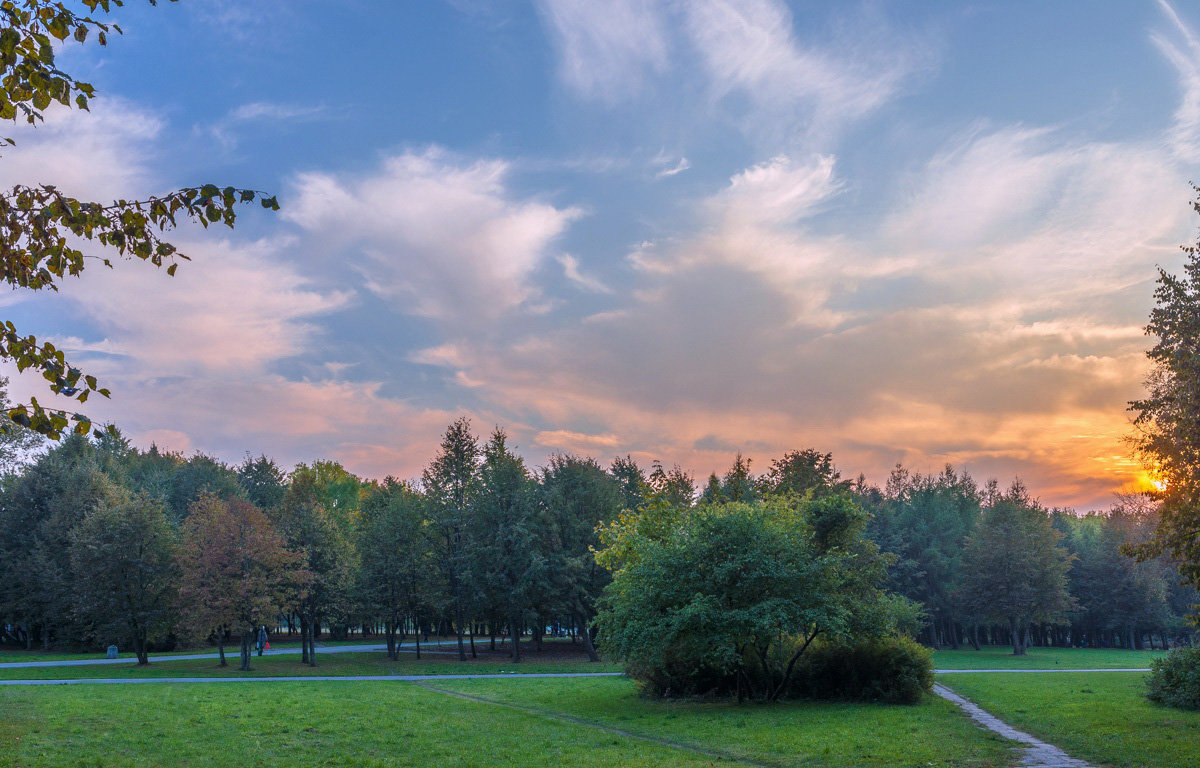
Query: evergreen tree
x=395, y=553
x=450, y=483
x=578, y=496
x=1015, y=572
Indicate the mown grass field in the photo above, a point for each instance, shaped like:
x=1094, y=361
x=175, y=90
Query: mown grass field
x=365, y=663
x=300, y=723
x=1000, y=657
x=1102, y=717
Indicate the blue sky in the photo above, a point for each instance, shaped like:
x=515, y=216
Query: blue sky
x=901, y=232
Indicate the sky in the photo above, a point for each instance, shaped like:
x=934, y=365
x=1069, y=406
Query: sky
x=917, y=233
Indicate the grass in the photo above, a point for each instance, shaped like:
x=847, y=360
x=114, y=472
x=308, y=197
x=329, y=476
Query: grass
x=1000, y=657
x=1102, y=717
x=933, y=733
x=369, y=663
x=402, y=724
x=298, y=724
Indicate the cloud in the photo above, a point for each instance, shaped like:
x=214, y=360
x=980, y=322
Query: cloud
x=438, y=236
x=605, y=50
x=101, y=155
x=1183, y=52
x=743, y=58
x=570, y=265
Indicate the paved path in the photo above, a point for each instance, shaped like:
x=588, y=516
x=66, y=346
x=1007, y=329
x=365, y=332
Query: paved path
x=232, y=653
x=1038, y=754
x=300, y=679
x=1055, y=669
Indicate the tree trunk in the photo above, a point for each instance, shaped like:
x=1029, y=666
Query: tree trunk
x=139, y=648
x=1015, y=631
x=221, y=646
x=245, y=667
x=516, y=646
x=590, y=648
x=390, y=630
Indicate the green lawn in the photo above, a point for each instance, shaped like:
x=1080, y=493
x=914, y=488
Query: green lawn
x=297, y=724
x=933, y=733
x=1101, y=717
x=370, y=663
x=1000, y=657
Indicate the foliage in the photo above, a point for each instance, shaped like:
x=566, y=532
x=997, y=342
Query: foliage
x=42, y=227
x=1014, y=572
x=925, y=521
x=728, y=599
x=1168, y=418
x=506, y=567
x=395, y=550
x=891, y=670
x=123, y=557
x=326, y=551
x=237, y=571
x=802, y=471
x=1174, y=681
x=577, y=497
x=451, y=482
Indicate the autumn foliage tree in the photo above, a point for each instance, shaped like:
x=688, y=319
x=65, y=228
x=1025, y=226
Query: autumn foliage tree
x=237, y=571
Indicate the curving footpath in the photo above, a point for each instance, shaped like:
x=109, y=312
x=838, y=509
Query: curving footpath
x=1038, y=754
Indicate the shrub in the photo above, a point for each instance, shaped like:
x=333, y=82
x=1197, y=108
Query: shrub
x=1175, y=679
x=893, y=670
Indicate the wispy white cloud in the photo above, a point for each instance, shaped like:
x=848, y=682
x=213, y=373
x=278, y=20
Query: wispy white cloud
x=744, y=57
x=571, y=270
x=1182, y=48
x=606, y=50
x=442, y=237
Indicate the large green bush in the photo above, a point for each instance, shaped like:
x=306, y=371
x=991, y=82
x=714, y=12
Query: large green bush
x=1175, y=679
x=892, y=670
x=725, y=599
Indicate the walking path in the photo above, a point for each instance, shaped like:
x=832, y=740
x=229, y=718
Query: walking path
x=1038, y=754
x=232, y=653
x=299, y=678
x=1055, y=669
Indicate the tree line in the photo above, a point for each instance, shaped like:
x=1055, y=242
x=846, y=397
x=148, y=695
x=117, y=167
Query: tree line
x=103, y=542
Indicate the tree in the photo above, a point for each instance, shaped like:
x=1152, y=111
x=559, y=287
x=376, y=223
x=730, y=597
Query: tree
x=579, y=496
x=505, y=563
x=327, y=555
x=38, y=511
x=450, y=483
x=1015, y=572
x=925, y=521
x=1168, y=418
x=43, y=228
x=677, y=485
x=728, y=599
x=262, y=480
x=236, y=571
x=123, y=561
x=632, y=480
x=395, y=554
x=738, y=484
x=801, y=471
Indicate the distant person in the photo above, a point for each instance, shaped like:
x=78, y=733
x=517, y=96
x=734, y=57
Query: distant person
x=262, y=640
